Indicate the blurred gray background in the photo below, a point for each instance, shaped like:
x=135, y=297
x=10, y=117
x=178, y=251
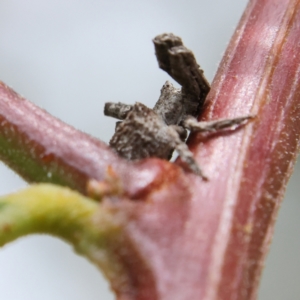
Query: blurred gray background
x=69, y=57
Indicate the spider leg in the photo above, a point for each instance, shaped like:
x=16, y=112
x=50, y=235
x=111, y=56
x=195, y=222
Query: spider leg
x=180, y=63
x=192, y=124
x=117, y=110
x=185, y=154
x=182, y=132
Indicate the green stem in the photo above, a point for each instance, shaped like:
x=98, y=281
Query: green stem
x=90, y=227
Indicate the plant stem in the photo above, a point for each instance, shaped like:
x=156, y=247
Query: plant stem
x=41, y=148
x=46, y=208
x=181, y=237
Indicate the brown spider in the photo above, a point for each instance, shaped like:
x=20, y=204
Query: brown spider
x=157, y=132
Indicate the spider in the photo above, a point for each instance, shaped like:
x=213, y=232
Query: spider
x=157, y=132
